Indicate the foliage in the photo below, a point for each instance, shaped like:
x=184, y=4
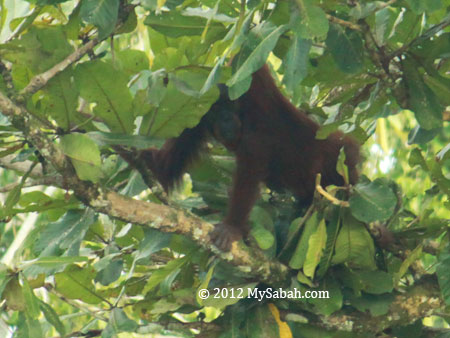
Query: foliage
x=80, y=79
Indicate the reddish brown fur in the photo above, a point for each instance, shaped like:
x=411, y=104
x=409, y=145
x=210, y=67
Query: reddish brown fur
x=276, y=144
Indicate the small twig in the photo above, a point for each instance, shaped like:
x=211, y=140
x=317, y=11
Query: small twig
x=55, y=181
x=328, y=196
x=344, y=23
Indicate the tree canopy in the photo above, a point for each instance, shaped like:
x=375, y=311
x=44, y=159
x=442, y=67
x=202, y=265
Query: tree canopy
x=90, y=246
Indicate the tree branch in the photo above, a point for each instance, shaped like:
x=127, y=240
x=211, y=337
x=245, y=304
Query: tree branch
x=344, y=23
x=418, y=301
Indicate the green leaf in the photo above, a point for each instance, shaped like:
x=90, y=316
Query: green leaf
x=419, y=6
x=111, y=272
x=346, y=48
x=262, y=227
x=214, y=76
x=377, y=305
x=299, y=256
x=34, y=327
x=260, y=322
x=11, y=200
x=178, y=111
x=120, y=321
x=416, y=158
x=442, y=269
x=55, y=261
x=376, y=282
x=36, y=51
x=316, y=244
x=260, y=42
x=102, y=14
x=303, y=279
x=76, y=283
x=373, y=201
x=421, y=99
x=332, y=304
x=132, y=61
x=100, y=83
x=363, y=10
x=419, y=135
x=32, y=303
x=263, y=237
x=65, y=232
x=60, y=100
x=313, y=22
x=384, y=20
x=158, y=276
x=204, y=284
x=52, y=317
x=354, y=245
x=333, y=227
x=174, y=24
x=84, y=154
x=14, y=195
x=412, y=257
x=444, y=153
x=296, y=63
x=153, y=241
x=13, y=295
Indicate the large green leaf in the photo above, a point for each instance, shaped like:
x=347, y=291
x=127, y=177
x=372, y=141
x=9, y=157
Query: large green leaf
x=76, y=283
x=32, y=303
x=373, y=201
x=422, y=100
x=39, y=49
x=260, y=42
x=52, y=317
x=84, y=154
x=376, y=282
x=299, y=256
x=100, y=83
x=178, y=110
x=102, y=14
x=346, y=48
x=316, y=244
x=174, y=24
x=61, y=100
x=377, y=304
x=312, y=22
x=327, y=306
x=354, y=245
x=68, y=230
x=296, y=62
